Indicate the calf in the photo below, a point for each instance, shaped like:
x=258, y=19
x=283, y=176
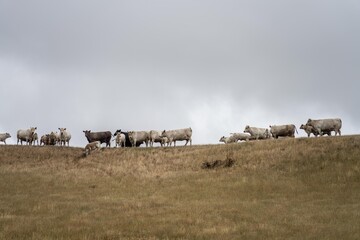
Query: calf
x=120, y=140
x=4, y=136
x=227, y=140
x=93, y=146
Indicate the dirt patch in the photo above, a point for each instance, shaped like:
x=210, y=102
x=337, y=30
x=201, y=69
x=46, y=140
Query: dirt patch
x=229, y=162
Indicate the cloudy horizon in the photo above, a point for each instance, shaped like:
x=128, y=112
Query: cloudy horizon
x=214, y=66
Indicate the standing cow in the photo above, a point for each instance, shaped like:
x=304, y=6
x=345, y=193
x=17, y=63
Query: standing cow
x=178, y=135
x=155, y=136
x=257, y=133
x=4, y=136
x=139, y=137
x=310, y=129
x=323, y=125
x=64, y=137
x=26, y=135
x=283, y=130
x=127, y=139
x=103, y=137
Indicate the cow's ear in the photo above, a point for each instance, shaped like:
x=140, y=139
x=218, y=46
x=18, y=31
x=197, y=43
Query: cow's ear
x=59, y=128
x=64, y=128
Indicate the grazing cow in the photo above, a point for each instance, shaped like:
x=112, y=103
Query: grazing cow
x=25, y=135
x=310, y=129
x=92, y=146
x=64, y=137
x=257, y=133
x=283, y=130
x=227, y=140
x=120, y=140
x=323, y=125
x=103, y=137
x=139, y=137
x=155, y=136
x=4, y=136
x=241, y=136
x=178, y=135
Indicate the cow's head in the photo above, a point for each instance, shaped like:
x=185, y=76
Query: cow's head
x=117, y=131
x=7, y=135
x=247, y=128
x=222, y=139
x=62, y=131
x=163, y=133
x=86, y=132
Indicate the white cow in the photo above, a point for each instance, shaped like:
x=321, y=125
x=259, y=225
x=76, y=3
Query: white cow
x=287, y=130
x=178, y=135
x=139, y=136
x=155, y=136
x=34, y=139
x=227, y=140
x=257, y=133
x=4, y=136
x=323, y=125
x=310, y=129
x=241, y=136
x=93, y=146
x=120, y=140
x=64, y=137
x=25, y=135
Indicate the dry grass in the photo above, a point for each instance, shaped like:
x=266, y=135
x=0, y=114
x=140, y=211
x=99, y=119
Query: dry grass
x=277, y=189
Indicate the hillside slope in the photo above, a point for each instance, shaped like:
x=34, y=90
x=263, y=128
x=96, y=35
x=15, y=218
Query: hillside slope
x=288, y=188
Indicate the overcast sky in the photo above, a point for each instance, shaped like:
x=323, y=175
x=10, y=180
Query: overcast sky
x=215, y=66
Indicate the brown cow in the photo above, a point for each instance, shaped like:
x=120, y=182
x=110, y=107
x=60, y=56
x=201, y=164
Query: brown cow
x=103, y=137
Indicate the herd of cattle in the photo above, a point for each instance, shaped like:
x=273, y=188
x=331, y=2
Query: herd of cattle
x=167, y=137
x=315, y=127
x=123, y=139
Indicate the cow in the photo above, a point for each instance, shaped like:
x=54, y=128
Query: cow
x=139, y=137
x=64, y=137
x=48, y=139
x=103, y=137
x=155, y=136
x=92, y=146
x=120, y=140
x=323, y=125
x=227, y=140
x=4, y=136
x=25, y=135
x=283, y=130
x=34, y=139
x=310, y=129
x=127, y=139
x=257, y=133
x=178, y=135
x=241, y=136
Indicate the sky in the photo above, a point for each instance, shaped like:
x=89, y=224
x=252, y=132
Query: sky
x=214, y=66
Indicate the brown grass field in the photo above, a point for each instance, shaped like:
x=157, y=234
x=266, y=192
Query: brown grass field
x=278, y=189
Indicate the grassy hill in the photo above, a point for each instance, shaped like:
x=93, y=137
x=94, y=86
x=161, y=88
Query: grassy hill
x=278, y=189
